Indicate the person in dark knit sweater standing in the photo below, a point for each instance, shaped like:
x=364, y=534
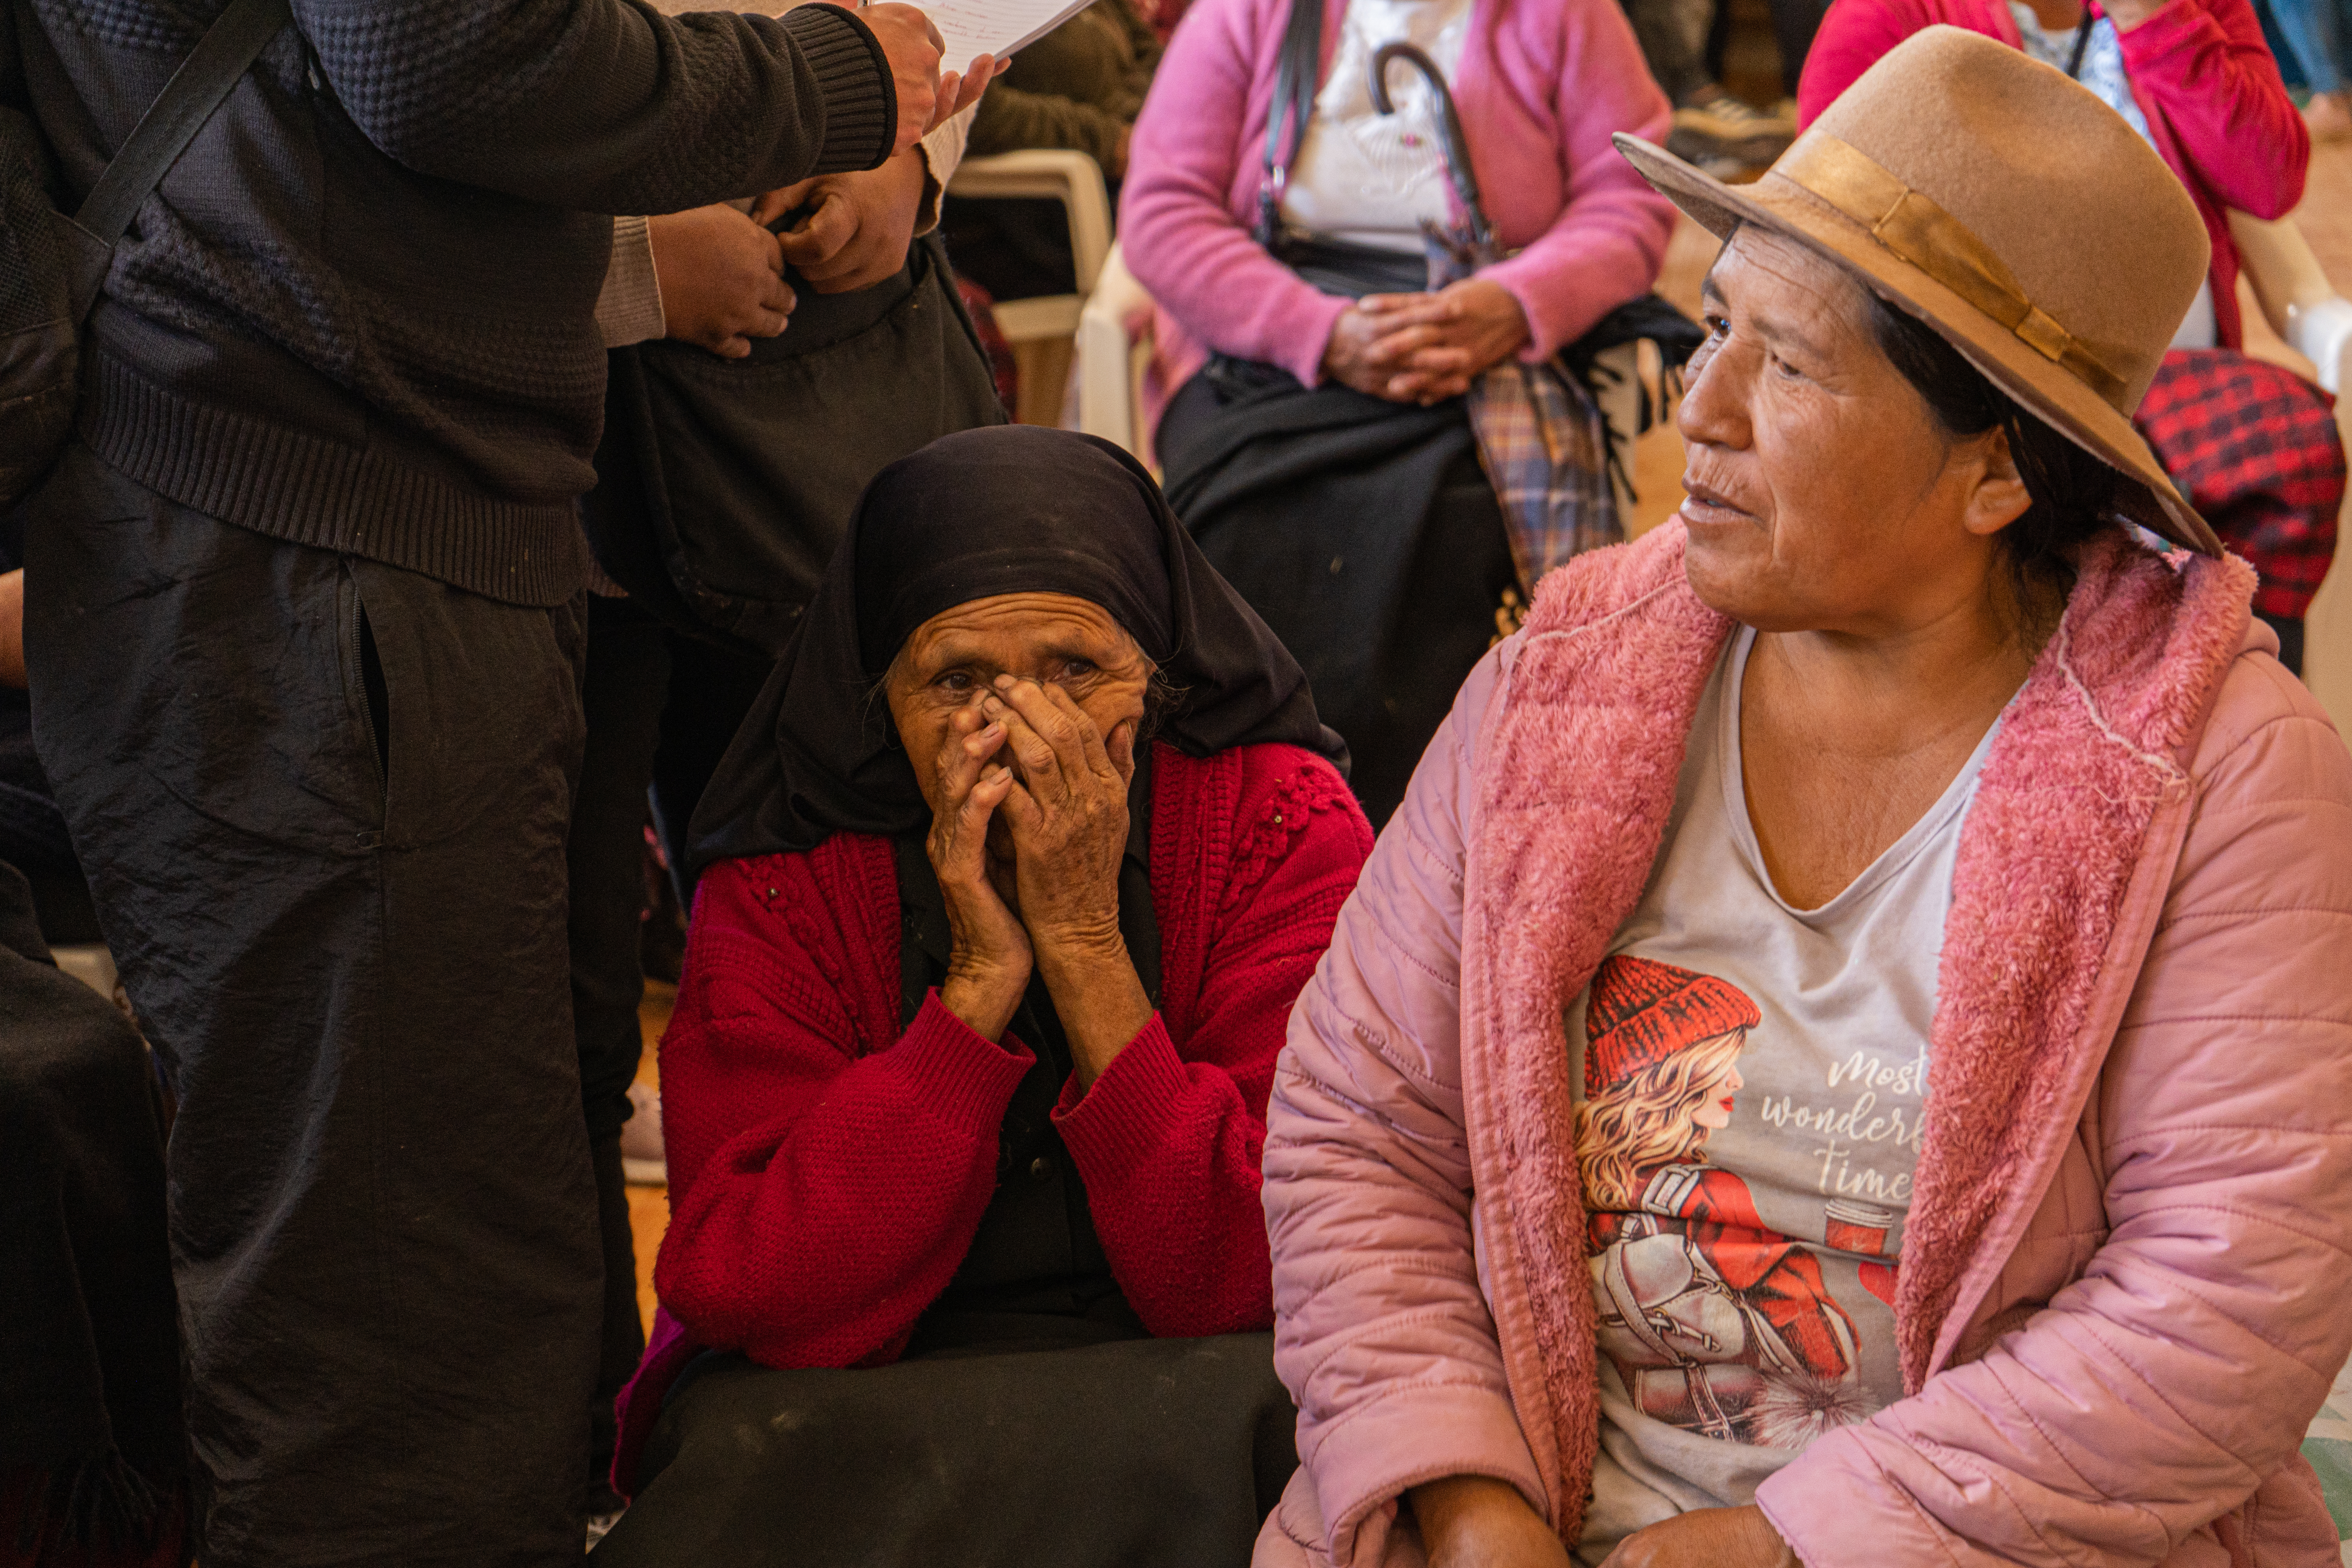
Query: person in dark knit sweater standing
x=303, y=627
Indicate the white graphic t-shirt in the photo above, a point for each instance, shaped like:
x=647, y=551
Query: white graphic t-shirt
x=1750, y=1079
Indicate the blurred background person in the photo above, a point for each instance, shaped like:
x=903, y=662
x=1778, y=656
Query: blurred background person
x=2193, y=77
x=1316, y=433
x=2311, y=40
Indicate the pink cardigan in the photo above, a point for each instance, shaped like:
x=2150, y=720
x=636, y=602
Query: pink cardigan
x=2122, y=1288
x=2200, y=72
x=1541, y=85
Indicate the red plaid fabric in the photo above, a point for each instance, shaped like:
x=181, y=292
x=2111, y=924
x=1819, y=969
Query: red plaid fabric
x=981, y=305
x=2255, y=450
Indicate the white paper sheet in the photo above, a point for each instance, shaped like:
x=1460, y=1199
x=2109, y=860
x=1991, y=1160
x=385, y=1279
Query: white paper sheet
x=970, y=28
x=998, y=27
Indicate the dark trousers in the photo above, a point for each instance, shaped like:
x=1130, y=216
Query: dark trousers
x=661, y=709
x=323, y=805
x=1143, y=1453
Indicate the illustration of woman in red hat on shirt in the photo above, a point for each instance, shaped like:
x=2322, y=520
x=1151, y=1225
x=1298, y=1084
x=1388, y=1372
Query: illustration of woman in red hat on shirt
x=1715, y=1323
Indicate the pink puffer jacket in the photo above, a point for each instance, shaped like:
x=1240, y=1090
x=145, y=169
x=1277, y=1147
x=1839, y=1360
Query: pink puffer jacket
x=2126, y=1278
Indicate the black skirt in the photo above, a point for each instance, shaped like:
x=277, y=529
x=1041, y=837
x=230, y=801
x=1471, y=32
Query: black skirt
x=1367, y=535
x=1141, y=1453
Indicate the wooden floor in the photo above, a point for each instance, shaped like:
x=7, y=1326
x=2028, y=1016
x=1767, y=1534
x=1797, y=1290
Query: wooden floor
x=649, y=1207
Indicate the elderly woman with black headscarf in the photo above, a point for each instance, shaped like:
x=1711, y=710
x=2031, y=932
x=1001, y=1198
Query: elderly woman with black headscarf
x=1016, y=871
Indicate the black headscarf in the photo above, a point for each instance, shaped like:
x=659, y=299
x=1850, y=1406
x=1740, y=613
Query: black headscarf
x=1005, y=510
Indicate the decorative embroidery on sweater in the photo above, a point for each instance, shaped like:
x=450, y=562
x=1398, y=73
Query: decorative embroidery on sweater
x=1289, y=811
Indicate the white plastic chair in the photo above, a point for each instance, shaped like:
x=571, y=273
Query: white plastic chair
x=1114, y=349
x=2304, y=308
x=1076, y=181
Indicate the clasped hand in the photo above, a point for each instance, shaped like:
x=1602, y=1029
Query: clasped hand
x=1026, y=768
x=1425, y=348
x=1475, y=1522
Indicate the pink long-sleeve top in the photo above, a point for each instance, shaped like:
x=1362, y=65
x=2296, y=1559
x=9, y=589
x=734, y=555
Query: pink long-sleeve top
x=2200, y=72
x=1541, y=86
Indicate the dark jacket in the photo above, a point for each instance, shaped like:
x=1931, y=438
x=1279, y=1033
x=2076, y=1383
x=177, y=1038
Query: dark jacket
x=358, y=311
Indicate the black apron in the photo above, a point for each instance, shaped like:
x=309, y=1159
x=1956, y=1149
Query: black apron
x=724, y=485
x=1364, y=533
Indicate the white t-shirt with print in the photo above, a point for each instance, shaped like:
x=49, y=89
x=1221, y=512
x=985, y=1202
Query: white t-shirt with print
x=1750, y=1079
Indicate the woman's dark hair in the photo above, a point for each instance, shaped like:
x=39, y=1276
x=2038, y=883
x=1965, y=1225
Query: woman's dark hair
x=2074, y=493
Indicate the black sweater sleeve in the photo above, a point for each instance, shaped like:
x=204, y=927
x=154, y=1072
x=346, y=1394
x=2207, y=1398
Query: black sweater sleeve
x=606, y=105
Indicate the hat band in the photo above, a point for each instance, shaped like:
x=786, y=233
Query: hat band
x=1922, y=233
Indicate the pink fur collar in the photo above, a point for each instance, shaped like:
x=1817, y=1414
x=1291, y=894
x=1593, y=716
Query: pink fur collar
x=1574, y=784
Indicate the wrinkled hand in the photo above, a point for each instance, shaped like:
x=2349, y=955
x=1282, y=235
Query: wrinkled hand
x=721, y=278
x=1067, y=812
x=1475, y=1522
x=1706, y=1538
x=1425, y=348
x=988, y=958
x=913, y=48
x=860, y=226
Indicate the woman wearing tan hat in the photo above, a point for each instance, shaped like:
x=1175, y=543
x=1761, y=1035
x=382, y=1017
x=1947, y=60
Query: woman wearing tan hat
x=1845, y=1052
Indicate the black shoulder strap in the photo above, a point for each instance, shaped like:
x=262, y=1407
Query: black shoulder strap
x=204, y=80
x=2082, y=44
x=1297, y=72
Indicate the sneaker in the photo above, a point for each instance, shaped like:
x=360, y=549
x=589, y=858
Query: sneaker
x=642, y=1164
x=1716, y=125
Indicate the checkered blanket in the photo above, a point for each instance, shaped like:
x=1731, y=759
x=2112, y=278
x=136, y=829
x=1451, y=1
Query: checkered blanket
x=1541, y=439
x=2255, y=450
x=1544, y=448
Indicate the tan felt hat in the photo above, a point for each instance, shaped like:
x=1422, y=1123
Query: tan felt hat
x=2007, y=208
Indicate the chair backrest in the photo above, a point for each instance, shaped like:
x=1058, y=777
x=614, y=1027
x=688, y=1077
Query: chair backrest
x=2314, y=321
x=2303, y=306
x=1114, y=346
x=1057, y=174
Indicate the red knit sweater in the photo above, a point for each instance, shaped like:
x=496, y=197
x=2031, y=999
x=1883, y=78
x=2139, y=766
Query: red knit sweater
x=827, y=1170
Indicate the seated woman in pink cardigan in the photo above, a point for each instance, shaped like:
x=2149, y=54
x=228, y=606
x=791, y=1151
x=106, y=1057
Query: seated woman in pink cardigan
x=1844, y=1056
x=1322, y=456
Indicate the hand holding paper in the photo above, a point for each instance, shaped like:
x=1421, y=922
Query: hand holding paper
x=912, y=46
x=996, y=27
